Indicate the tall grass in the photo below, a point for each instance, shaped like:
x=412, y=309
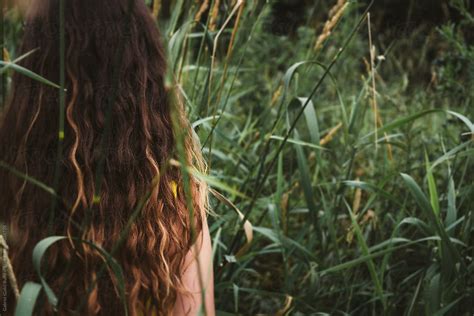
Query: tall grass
x=339, y=185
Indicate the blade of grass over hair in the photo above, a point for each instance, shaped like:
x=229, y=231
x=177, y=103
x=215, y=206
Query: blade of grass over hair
x=28, y=297
x=14, y=62
x=104, y=139
x=62, y=110
x=28, y=73
x=125, y=231
x=36, y=183
x=29, y=179
x=116, y=269
x=40, y=251
x=181, y=151
x=261, y=180
x=212, y=181
x=38, y=254
x=110, y=101
x=2, y=53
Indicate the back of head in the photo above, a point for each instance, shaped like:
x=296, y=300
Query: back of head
x=115, y=153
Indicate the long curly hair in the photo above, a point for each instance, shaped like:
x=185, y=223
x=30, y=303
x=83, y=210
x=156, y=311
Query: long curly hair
x=118, y=147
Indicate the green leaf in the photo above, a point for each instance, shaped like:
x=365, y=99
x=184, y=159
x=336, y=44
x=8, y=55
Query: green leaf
x=434, y=199
x=464, y=119
x=363, y=259
x=377, y=189
x=177, y=9
x=451, y=214
x=4, y=69
x=42, y=247
x=446, y=308
x=434, y=291
x=29, y=179
x=28, y=297
x=425, y=206
x=310, y=116
x=366, y=252
x=414, y=117
x=298, y=142
x=306, y=180
x=38, y=253
x=27, y=73
x=270, y=234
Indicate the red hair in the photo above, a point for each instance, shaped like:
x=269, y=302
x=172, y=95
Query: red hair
x=138, y=151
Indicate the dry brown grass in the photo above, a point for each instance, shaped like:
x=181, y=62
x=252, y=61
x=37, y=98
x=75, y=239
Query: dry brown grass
x=334, y=16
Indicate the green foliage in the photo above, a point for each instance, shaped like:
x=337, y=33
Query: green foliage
x=456, y=66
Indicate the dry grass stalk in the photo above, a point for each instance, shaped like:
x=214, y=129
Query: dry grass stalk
x=377, y=118
x=335, y=15
x=357, y=199
x=372, y=70
x=216, y=40
x=8, y=267
x=329, y=136
x=203, y=8
x=284, y=211
x=156, y=8
x=232, y=38
x=6, y=55
x=214, y=15
x=276, y=95
x=286, y=306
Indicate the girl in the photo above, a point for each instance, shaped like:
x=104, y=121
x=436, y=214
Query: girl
x=115, y=161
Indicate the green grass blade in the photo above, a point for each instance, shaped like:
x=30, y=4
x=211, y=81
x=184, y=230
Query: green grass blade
x=425, y=206
x=434, y=198
x=305, y=176
x=38, y=253
x=28, y=297
x=27, y=73
x=366, y=252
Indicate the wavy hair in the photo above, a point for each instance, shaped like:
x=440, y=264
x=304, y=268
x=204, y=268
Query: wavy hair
x=136, y=153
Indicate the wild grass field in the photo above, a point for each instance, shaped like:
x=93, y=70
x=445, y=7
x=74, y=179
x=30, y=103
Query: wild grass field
x=340, y=152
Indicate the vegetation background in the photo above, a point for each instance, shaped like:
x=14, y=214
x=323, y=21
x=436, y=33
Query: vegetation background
x=339, y=138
